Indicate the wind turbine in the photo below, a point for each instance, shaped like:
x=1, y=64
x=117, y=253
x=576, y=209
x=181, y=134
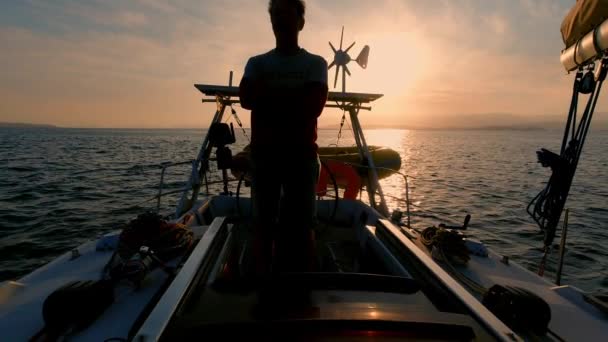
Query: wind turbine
x=341, y=59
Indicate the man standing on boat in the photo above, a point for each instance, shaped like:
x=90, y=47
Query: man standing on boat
x=286, y=90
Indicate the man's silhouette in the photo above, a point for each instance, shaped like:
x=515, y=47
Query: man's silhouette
x=286, y=90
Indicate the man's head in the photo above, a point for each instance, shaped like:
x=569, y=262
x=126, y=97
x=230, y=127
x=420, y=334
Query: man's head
x=287, y=17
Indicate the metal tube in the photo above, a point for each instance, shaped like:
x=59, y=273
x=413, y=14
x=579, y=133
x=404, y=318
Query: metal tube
x=344, y=79
x=356, y=133
x=374, y=183
x=585, y=49
x=343, y=107
x=562, y=249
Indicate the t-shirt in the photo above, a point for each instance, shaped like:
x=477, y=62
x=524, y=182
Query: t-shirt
x=287, y=71
x=288, y=117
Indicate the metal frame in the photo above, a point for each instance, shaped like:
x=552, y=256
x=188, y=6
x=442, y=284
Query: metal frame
x=224, y=96
x=194, y=182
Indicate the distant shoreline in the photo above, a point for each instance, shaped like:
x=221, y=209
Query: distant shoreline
x=599, y=126
x=24, y=125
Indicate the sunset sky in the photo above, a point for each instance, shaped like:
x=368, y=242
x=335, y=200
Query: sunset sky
x=133, y=63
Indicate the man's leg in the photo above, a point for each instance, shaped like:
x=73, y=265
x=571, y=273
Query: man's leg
x=265, y=194
x=295, y=241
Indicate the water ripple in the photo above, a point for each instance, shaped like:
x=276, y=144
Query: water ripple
x=61, y=187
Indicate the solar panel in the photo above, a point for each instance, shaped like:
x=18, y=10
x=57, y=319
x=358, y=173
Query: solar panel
x=213, y=90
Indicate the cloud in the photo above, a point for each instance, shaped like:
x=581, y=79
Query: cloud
x=544, y=8
x=113, y=63
x=498, y=24
x=131, y=19
x=159, y=5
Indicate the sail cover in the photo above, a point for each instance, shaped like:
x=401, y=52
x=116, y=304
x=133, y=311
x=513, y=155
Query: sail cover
x=583, y=18
x=585, y=33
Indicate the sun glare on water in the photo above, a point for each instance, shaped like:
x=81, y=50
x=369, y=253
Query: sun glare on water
x=391, y=138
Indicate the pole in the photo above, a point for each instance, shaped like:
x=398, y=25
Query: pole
x=407, y=201
x=374, y=183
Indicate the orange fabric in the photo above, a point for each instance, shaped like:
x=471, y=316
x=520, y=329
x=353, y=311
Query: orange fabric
x=344, y=175
x=583, y=18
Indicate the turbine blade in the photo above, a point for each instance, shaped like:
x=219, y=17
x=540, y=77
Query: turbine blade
x=362, y=59
x=332, y=47
x=331, y=65
x=351, y=45
x=342, y=38
x=336, y=80
x=346, y=69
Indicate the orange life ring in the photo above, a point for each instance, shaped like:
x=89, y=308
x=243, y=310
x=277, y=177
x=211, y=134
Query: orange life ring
x=345, y=175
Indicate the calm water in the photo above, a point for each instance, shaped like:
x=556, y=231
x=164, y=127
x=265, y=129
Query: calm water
x=61, y=187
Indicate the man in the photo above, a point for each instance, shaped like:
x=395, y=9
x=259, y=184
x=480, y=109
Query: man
x=286, y=90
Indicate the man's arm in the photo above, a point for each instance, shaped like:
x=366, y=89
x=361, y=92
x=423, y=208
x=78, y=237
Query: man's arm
x=251, y=87
x=248, y=93
x=311, y=97
x=315, y=97
x=316, y=91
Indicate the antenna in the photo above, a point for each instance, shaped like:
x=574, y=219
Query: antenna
x=342, y=58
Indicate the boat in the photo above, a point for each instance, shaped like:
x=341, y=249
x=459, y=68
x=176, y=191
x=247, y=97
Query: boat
x=386, y=160
x=376, y=278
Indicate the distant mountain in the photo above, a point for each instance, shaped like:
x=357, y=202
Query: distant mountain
x=23, y=125
x=487, y=121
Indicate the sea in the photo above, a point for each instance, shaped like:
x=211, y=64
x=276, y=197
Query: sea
x=61, y=187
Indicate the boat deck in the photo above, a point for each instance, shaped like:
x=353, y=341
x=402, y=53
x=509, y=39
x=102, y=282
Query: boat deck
x=352, y=285
x=571, y=313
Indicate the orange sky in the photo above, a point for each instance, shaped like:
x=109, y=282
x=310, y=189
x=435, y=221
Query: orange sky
x=117, y=64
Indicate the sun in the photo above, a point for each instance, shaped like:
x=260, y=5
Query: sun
x=397, y=63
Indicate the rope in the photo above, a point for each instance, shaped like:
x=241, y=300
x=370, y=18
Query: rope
x=449, y=246
x=164, y=241
x=238, y=121
x=448, y=241
x=341, y=126
x=543, y=262
x=546, y=207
